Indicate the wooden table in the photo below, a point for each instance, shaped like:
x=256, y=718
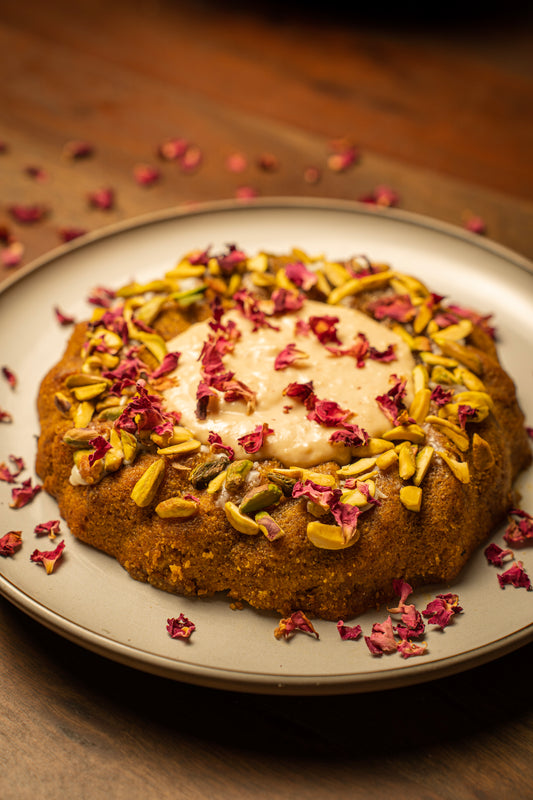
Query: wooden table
x=440, y=111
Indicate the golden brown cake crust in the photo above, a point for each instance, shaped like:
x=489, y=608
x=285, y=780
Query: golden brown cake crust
x=204, y=553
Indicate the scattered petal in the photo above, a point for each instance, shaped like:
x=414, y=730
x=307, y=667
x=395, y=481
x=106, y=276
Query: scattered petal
x=236, y=162
x=168, y=364
x=146, y=175
x=68, y=234
x=50, y=528
x=180, y=627
x=10, y=376
x=288, y=356
x=5, y=416
x=191, y=160
x=347, y=632
x=11, y=256
x=268, y=162
x=217, y=445
x=382, y=640
x=36, y=173
x=381, y=196
x=172, y=149
x=28, y=214
x=63, y=319
x=343, y=155
x=101, y=446
x=6, y=474
x=77, y=149
x=48, y=558
x=253, y=442
x=515, y=576
x=312, y=175
x=102, y=198
x=24, y=494
x=519, y=532
x=291, y=625
x=442, y=610
x=496, y=555
x=475, y=224
x=246, y=193
x=298, y=274
x=407, y=648
x=10, y=543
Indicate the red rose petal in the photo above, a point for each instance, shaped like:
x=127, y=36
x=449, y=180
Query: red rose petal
x=103, y=199
x=24, y=494
x=48, y=558
x=289, y=626
x=77, y=149
x=68, y=234
x=515, y=576
x=496, y=555
x=146, y=175
x=11, y=256
x=28, y=214
x=10, y=376
x=180, y=627
x=347, y=632
x=10, y=543
x=253, y=442
x=63, y=319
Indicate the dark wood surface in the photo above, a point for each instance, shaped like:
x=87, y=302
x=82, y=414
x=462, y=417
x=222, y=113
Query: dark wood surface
x=441, y=111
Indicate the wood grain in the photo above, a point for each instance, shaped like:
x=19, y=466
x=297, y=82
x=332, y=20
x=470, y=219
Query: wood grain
x=441, y=111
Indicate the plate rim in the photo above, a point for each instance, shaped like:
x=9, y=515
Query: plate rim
x=230, y=678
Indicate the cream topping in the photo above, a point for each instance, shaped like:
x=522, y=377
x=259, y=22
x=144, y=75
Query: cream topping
x=296, y=440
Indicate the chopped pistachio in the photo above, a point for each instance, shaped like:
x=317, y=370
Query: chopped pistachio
x=411, y=433
x=268, y=526
x=146, y=487
x=406, y=461
x=216, y=484
x=386, y=460
x=357, y=285
x=420, y=377
x=419, y=408
x=240, y=521
x=459, y=468
x=83, y=414
x=373, y=447
x=176, y=507
x=357, y=467
x=189, y=446
x=422, y=462
x=260, y=497
x=329, y=537
x=411, y=497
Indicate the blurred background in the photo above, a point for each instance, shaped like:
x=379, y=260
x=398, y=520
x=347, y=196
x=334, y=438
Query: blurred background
x=112, y=109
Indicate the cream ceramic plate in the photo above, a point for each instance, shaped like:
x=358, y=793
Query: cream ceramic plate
x=89, y=598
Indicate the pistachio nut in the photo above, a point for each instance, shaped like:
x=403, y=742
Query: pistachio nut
x=145, y=490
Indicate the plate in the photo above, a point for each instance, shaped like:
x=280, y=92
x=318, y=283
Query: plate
x=92, y=601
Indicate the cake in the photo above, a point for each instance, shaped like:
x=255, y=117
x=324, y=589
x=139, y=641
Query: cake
x=294, y=432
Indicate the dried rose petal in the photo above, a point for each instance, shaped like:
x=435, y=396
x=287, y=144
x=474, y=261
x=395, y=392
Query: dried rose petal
x=286, y=301
x=101, y=446
x=77, y=149
x=441, y=396
x=48, y=558
x=475, y=224
x=324, y=328
x=382, y=640
x=323, y=496
x=24, y=494
x=10, y=376
x=191, y=159
x=246, y=193
x=146, y=174
x=217, y=445
x=5, y=416
x=312, y=174
x=300, y=275
x=36, y=173
x=347, y=632
x=392, y=403
x=360, y=349
x=236, y=162
x=303, y=392
x=519, y=532
x=168, y=364
x=483, y=321
x=5, y=472
x=328, y=413
x=496, y=555
x=172, y=149
x=515, y=576
x=180, y=627
x=350, y=436
x=253, y=442
x=11, y=256
x=397, y=307
x=288, y=356
x=28, y=214
x=442, y=610
x=103, y=199
x=50, y=528
x=343, y=155
x=407, y=648
x=10, y=543
x=68, y=234
x=291, y=625
x=383, y=356
x=268, y=162
x=529, y=432
x=382, y=196
x=63, y=319
x=101, y=296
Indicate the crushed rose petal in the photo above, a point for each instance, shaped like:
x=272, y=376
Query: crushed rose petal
x=103, y=199
x=519, y=532
x=325, y=329
x=312, y=174
x=6, y=474
x=48, y=558
x=168, y=364
x=288, y=356
x=24, y=494
x=5, y=416
x=50, y=528
x=382, y=640
x=172, y=149
x=77, y=149
x=28, y=214
x=347, y=632
x=146, y=175
x=298, y=274
x=11, y=256
x=343, y=154
x=291, y=625
x=515, y=576
x=236, y=162
x=382, y=196
x=101, y=446
x=407, y=648
x=442, y=610
x=68, y=234
x=218, y=446
x=350, y=436
x=36, y=173
x=10, y=543
x=397, y=307
x=253, y=442
x=62, y=318
x=246, y=193
x=496, y=555
x=10, y=376
x=180, y=627
x=441, y=396
x=475, y=224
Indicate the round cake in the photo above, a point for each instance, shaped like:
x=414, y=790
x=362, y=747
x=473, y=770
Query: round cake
x=292, y=431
